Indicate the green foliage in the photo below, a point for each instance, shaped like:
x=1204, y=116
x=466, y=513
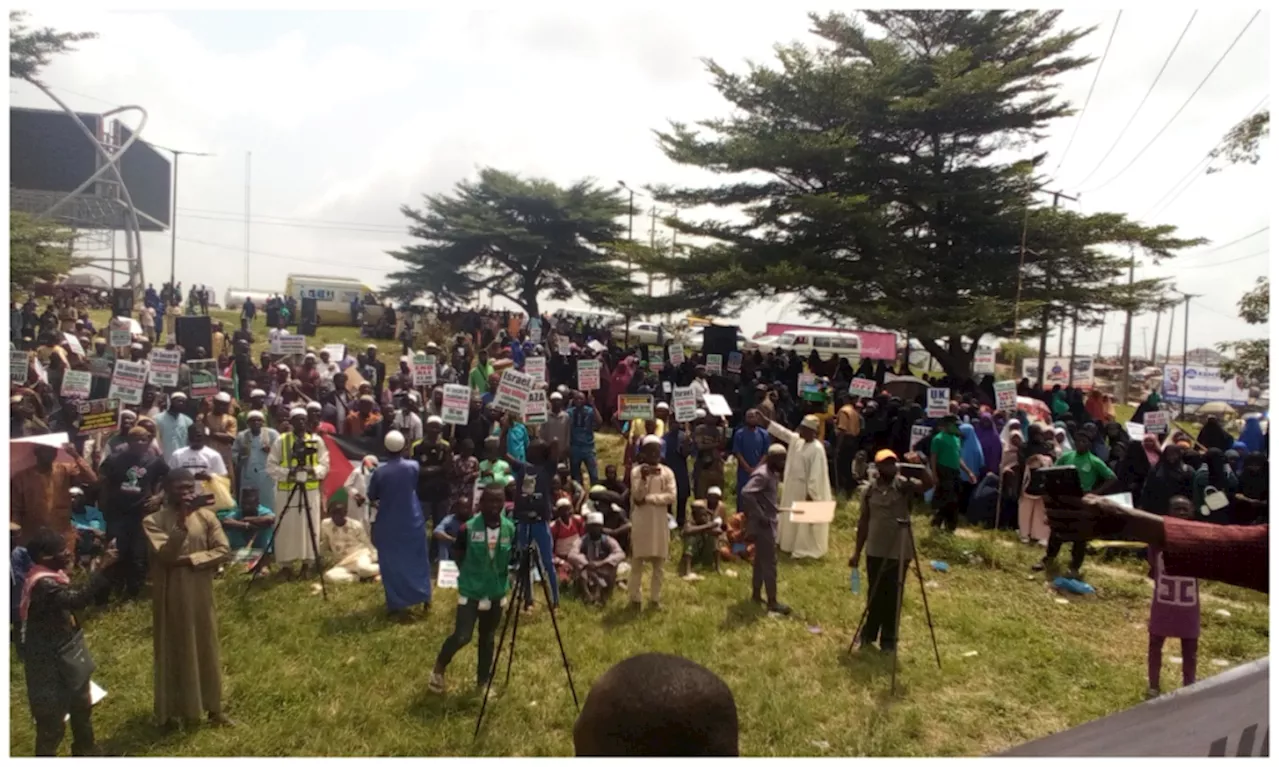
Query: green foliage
x=30, y=50
x=38, y=250
x=1251, y=359
x=867, y=171
x=513, y=237
x=1241, y=142
x=1013, y=352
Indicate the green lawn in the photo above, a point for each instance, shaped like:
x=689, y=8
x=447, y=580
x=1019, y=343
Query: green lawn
x=308, y=677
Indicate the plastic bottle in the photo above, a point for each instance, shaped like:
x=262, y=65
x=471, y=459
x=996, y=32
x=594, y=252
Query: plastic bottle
x=855, y=580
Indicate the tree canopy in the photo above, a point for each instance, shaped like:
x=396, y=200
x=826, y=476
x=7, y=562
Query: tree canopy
x=882, y=178
x=1252, y=358
x=30, y=50
x=38, y=250
x=513, y=237
x=1241, y=144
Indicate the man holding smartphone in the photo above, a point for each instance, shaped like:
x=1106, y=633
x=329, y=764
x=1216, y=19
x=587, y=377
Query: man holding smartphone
x=1095, y=478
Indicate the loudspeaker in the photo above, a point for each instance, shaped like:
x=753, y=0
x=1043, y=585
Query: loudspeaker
x=718, y=339
x=308, y=317
x=193, y=333
x=122, y=302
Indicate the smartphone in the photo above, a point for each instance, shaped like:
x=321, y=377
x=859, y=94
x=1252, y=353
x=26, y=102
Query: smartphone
x=911, y=470
x=1055, y=482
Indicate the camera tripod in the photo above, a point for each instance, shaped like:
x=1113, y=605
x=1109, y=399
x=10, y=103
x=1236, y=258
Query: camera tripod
x=298, y=491
x=527, y=558
x=906, y=550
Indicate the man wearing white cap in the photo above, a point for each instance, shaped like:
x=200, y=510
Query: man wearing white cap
x=221, y=428
x=555, y=430
x=249, y=456
x=172, y=426
x=595, y=562
x=293, y=542
x=653, y=489
x=806, y=480
x=400, y=530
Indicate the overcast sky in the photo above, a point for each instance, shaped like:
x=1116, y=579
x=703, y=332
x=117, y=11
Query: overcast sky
x=350, y=114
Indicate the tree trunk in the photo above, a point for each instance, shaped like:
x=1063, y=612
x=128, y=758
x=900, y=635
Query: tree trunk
x=956, y=360
x=529, y=296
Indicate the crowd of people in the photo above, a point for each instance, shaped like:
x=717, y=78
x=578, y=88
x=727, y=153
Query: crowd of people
x=187, y=485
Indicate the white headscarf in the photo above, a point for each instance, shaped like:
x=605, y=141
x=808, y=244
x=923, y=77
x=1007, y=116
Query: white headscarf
x=1010, y=426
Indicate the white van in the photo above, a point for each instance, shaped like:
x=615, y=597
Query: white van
x=827, y=342
x=333, y=296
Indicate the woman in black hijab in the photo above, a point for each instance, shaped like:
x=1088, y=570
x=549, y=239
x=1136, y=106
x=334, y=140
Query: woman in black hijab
x=1169, y=478
x=1212, y=435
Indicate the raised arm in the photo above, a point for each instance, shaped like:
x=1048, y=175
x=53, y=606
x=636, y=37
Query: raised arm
x=780, y=432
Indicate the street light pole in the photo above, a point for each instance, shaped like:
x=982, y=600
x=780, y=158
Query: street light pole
x=173, y=218
x=1186, y=335
x=631, y=218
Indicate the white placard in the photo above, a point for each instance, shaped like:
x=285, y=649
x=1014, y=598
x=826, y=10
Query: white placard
x=535, y=331
x=74, y=344
x=735, y=362
x=337, y=352
x=562, y=345
x=939, y=400
x=716, y=405
x=447, y=578
x=513, y=391
x=1136, y=430
x=120, y=332
x=535, y=408
x=128, y=381
x=1006, y=395
x=288, y=345
x=536, y=367
x=1156, y=422
x=919, y=432
x=984, y=362
x=19, y=366
x=455, y=408
x=588, y=375
x=862, y=387
x=715, y=364
x=424, y=370
x=75, y=384
x=806, y=382
x=677, y=354
x=685, y=403
x=164, y=367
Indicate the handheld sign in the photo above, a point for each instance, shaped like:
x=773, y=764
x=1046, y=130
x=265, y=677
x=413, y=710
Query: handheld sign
x=75, y=384
x=562, y=345
x=98, y=415
x=806, y=383
x=716, y=405
x=939, y=400
x=984, y=362
x=1006, y=395
x=535, y=408
x=536, y=367
x=19, y=364
x=513, y=392
x=735, y=362
x=715, y=364
x=655, y=360
x=1136, y=431
x=337, y=352
x=677, y=354
x=288, y=345
x=448, y=576
x=128, y=381
x=1156, y=422
x=204, y=377
x=424, y=370
x=633, y=406
x=164, y=367
x=918, y=433
x=119, y=332
x=73, y=344
x=685, y=402
x=535, y=331
x=588, y=375
x=101, y=367
x=862, y=387
x=456, y=405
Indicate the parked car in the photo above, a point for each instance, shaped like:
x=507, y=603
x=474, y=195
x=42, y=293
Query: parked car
x=640, y=333
x=694, y=340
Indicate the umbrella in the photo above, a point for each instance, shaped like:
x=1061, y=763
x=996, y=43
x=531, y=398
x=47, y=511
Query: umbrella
x=1215, y=408
x=904, y=387
x=1036, y=409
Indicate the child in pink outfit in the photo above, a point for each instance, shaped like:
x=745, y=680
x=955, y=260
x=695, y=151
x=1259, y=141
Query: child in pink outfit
x=1175, y=612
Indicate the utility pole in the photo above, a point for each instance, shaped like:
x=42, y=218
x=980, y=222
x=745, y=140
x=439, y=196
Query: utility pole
x=1128, y=330
x=248, y=158
x=631, y=220
x=1155, y=339
x=173, y=220
x=653, y=240
x=1102, y=331
x=1168, y=347
x=1071, y=362
x=1048, y=289
x=1186, y=335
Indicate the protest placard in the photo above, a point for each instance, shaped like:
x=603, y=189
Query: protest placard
x=75, y=384
x=655, y=360
x=99, y=415
x=596, y=346
x=73, y=344
x=448, y=576
x=513, y=391
x=535, y=408
x=677, y=354
x=588, y=375
x=424, y=370
x=939, y=401
x=862, y=387
x=1156, y=422
x=918, y=432
x=19, y=365
x=101, y=367
x=128, y=380
x=119, y=332
x=717, y=405
x=456, y=405
x=289, y=345
x=685, y=402
x=164, y=367
x=1136, y=431
x=715, y=364
x=633, y=406
x=536, y=367
x=1006, y=395
x=337, y=352
x=204, y=377
x=806, y=382
x=562, y=345
x=984, y=362
x=535, y=331
x=735, y=362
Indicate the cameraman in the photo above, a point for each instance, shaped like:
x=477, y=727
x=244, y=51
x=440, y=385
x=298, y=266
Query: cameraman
x=534, y=511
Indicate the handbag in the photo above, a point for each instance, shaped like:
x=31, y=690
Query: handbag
x=74, y=663
x=1214, y=500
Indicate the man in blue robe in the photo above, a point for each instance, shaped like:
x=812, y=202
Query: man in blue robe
x=400, y=531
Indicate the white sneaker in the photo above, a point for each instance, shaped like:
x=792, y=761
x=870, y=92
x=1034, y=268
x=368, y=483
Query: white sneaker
x=437, y=682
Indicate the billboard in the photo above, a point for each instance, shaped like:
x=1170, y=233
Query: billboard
x=1202, y=384
x=1056, y=373
x=48, y=152
x=148, y=176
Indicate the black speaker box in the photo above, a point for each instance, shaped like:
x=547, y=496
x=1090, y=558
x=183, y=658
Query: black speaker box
x=719, y=339
x=122, y=302
x=194, y=333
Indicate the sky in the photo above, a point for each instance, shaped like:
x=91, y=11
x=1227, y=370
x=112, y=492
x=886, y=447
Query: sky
x=348, y=115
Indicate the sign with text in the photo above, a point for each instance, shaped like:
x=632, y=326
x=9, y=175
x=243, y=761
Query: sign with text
x=513, y=391
x=456, y=405
x=715, y=364
x=806, y=383
x=939, y=402
x=862, y=387
x=1156, y=422
x=633, y=406
x=536, y=367
x=19, y=363
x=717, y=405
x=424, y=370
x=164, y=367
x=119, y=332
x=204, y=377
x=75, y=384
x=1202, y=384
x=535, y=408
x=448, y=575
x=735, y=362
x=919, y=433
x=101, y=367
x=535, y=331
x=1058, y=371
x=1136, y=431
x=562, y=345
x=1006, y=395
x=73, y=344
x=685, y=403
x=289, y=345
x=655, y=360
x=337, y=352
x=128, y=381
x=677, y=354
x=984, y=362
x=588, y=375
x=99, y=415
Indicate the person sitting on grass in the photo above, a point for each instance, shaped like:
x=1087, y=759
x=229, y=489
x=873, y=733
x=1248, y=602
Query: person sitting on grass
x=345, y=545
x=566, y=533
x=595, y=562
x=700, y=534
x=714, y=502
x=447, y=532
x=249, y=525
x=611, y=481
x=734, y=546
x=1175, y=611
x=571, y=486
x=51, y=643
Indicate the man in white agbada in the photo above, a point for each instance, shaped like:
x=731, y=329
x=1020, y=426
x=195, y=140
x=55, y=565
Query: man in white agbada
x=805, y=479
x=345, y=545
x=293, y=536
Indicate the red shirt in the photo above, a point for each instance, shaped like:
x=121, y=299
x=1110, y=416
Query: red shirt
x=1228, y=553
x=575, y=526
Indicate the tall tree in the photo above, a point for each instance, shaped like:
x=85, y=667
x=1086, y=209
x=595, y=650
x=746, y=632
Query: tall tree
x=1251, y=359
x=38, y=250
x=880, y=180
x=1241, y=144
x=513, y=237
x=30, y=50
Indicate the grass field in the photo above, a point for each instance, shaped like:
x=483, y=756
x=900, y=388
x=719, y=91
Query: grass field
x=308, y=677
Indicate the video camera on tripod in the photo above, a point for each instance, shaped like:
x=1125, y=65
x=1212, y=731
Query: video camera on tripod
x=530, y=504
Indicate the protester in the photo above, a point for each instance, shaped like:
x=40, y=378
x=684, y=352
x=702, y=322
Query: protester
x=345, y=544
x=297, y=452
x=249, y=454
x=759, y=503
x=400, y=532
x=595, y=562
x=40, y=496
x=806, y=479
x=947, y=463
x=1175, y=612
x=700, y=536
x=249, y=524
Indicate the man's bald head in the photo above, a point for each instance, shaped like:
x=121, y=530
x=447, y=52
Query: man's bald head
x=657, y=705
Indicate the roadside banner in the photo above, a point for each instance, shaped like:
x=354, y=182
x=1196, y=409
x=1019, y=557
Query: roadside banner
x=984, y=362
x=456, y=405
x=19, y=366
x=735, y=362
x=99, y=415
x=1006, y=395
x=536, y=367
x=128, y=381
x=535, y=408
x=633, y=406
x=424, y=370
x=1202, y=384
x=513, y=391
x=862, y=387
x=119, y=332
x=588, y=375
x=204, y=378
x=685, y=402
x=939, y=401
x=164, y=367
x=715, y=364
x=1058, y=374
x=75, y=384
x=1156, y=422
x=677, y=354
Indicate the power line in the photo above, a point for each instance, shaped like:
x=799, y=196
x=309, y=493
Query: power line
x=1150, y=88
x=1233, y=242
x=1165, y=127
x=386, y=229
x=1218, y=312
x=240, y=249
x=1224, y=263
x=239, y=216
x=1089, y=95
